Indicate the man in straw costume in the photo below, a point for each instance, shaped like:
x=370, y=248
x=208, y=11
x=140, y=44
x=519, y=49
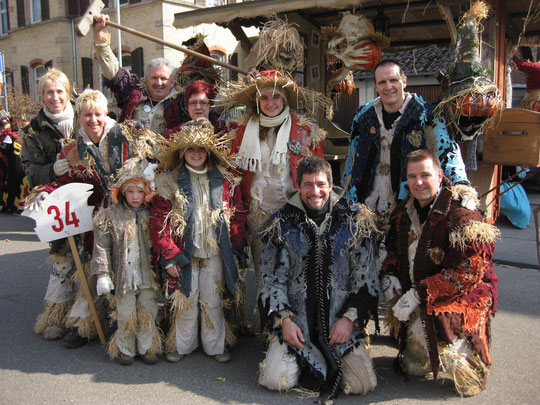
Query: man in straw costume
x=439, y=276
x=122, y=252
x=197, y=219
x=318, y=287
x=384, y=132
x=152, y=101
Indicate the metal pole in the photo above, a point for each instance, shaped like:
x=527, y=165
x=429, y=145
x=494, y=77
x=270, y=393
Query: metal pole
x=4, y=83
x=119, y=33
x=74, y=52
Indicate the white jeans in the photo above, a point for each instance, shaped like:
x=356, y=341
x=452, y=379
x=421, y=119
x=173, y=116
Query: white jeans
x=206, y=295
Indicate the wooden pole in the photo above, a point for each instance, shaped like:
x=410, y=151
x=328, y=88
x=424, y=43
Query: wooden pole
x=86, y=289
x=177, y=47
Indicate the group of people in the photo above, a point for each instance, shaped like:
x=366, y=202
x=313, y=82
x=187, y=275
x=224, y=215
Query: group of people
x=183, y=200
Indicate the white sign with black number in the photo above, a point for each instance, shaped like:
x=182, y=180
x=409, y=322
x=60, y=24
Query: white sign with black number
x=64, y=212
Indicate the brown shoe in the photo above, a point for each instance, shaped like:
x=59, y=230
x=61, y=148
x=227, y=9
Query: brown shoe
x=174, y=357
x=223, y=358
x=126, y=360
x=149, y=358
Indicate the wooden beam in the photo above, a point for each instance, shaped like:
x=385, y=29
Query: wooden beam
x=446, y=13
x=240, y=35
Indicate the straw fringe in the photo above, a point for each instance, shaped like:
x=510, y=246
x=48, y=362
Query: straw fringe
x=461, y=190
x=54, y=314
x=112, y=347
x=474, y=232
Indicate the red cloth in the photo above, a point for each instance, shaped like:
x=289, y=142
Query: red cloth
x=532, y=69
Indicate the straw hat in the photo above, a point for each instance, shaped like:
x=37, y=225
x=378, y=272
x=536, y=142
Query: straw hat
x=200, y=133
x=248, y=91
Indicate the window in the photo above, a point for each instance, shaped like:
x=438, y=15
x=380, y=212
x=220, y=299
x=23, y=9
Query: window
x=38, y=72
x=35, y=11
x=4, y=17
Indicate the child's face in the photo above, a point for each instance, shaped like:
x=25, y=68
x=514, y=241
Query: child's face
x=134, y=196
x=196, y=157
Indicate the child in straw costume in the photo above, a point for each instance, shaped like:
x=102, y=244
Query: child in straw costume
x=196, y=224
x=122, y=251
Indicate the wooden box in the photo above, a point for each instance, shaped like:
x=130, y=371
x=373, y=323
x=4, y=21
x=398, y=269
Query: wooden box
x=514, y=139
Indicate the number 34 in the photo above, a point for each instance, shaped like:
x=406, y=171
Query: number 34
x=70, y=217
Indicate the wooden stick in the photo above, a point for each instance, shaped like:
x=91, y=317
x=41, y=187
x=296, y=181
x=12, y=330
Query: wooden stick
x=86, y=289
x=177, y=47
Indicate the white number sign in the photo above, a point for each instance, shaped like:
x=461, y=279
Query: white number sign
x=64, y=212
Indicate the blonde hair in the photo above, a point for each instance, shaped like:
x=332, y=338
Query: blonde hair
x=54, y=75
x=91, y=99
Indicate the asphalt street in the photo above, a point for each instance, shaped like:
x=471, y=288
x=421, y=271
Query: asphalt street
x=35, y=371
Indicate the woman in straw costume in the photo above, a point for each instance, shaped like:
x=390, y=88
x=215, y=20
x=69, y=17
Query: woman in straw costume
x=271, y=143
x=196, y=222
x=94, y=156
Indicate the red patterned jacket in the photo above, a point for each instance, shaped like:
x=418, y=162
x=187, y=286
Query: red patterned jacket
x=455, y=277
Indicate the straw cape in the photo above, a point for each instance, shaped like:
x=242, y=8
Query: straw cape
x=200, y=133
x=247, y=91
x=471, y=98
x=278, y=47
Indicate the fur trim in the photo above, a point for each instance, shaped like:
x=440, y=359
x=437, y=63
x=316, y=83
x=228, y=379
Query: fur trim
x=473, y=232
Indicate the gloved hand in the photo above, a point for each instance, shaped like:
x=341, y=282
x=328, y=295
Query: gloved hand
x=35, y=205
x=61, y=166
x=406, y=305
x=104, y=285
x=241, y=256
x=390, y=286
x=468, y=203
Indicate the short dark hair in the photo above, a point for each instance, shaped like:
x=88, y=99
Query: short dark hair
x=313, y=164
x=387, y=62
x=420, y=155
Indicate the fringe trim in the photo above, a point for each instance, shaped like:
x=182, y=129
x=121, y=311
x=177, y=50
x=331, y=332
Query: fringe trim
x=86, y=327
x=468, y=374
x=461, y=190
x=364, y=224
x=54, y=314
x=474, y=232
x=112, y=348
x=157, y=342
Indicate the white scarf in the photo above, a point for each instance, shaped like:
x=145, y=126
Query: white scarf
x=109, y=123
x=63, y=120
x=249, y=154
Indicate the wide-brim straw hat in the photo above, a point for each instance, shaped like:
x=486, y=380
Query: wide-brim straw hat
x=199, y=133
x=248, y=90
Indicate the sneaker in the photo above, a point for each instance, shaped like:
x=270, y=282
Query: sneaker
x=53, y=332
x=223, y=358
x=73, y=340
x=126, y=360
x=174, y=357
x=149, y=358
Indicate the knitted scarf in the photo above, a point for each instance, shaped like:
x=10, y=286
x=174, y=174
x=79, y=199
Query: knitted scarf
x=249, y=154
x=63, y=120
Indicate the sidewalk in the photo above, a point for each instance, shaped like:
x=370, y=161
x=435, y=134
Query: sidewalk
x=518, y=246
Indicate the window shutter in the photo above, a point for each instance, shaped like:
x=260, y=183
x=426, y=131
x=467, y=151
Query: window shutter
x=134, y=1
x=137, y=62
x=45, y=15
x=25, y=82
x=234, y=62
x=48, y=65
x=20, y=13
x=87, y=74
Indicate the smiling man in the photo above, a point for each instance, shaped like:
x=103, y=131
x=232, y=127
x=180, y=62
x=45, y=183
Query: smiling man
x=318, y=288
x=441, y=282
x=152, y=101
x=384, y=131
